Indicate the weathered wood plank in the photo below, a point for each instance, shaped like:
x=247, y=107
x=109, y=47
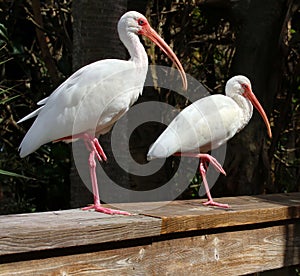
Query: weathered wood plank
x=187, y=215
x=54, y=230
x=49, y=230
x=229, y=253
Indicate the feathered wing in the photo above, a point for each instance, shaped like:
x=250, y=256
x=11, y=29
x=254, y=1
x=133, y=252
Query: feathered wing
x=89, y=99
x=208, y=122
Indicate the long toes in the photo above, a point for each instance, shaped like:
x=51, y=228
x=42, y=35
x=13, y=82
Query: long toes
x=124, y=213
x=216, y=204
x=217, y=165
x=88, y=208
x=105, y=210
x=111, y=211
x=99, y=149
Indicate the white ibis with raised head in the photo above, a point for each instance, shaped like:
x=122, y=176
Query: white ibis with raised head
x=110, y=86
x=207, y=124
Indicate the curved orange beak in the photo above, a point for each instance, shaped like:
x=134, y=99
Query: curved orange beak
x=250, y=95
x=153, y=36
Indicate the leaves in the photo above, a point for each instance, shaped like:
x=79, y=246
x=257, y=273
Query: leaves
x=3, y=34
x=7, y=173
x=204, y=38
x=29, y=184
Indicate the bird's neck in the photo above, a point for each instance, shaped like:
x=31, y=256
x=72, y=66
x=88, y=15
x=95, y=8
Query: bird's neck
x=137, y=51
x=138, y=58
x=246, y=108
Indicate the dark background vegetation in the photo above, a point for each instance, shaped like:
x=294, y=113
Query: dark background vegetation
x=43, y=42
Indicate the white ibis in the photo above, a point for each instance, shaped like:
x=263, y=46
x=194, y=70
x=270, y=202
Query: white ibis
x=207, y=124
x=110, y=86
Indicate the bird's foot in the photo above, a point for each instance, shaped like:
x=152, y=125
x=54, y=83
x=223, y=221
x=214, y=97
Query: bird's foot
x=99, y=151
x=109, y=211
x=208, y=158
x=92, y=144
x=217, y=204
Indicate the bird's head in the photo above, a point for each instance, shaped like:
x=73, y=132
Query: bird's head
x=241, y=85
x=134, y=23
x=238, y=85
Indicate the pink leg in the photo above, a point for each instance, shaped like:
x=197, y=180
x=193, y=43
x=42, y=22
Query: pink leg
x=202, y=168
x=95, y=149
x=210, y=201
x=92, y=143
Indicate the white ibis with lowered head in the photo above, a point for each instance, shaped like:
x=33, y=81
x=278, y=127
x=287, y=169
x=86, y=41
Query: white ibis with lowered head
x=207, y=124
x=110, y=86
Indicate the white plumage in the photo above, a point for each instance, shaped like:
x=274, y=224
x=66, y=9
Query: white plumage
x=88, y=96
x=192, y=128
x=90, y=101
x=207, y=124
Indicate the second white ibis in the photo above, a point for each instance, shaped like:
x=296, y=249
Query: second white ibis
x=95, y=97
x=207, y=124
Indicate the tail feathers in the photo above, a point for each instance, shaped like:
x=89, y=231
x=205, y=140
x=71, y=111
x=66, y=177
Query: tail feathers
x=26, y=150
x=30, y=144
x=31, y=115
x=34, y=138
x=157, y=151
x=43, y=101
x=167, y=144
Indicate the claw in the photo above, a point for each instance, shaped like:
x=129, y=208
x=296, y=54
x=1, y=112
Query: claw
x=99, y=208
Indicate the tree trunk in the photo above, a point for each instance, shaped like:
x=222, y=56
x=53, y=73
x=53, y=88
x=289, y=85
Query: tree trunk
x=95, y=37
x=259, y=55
x=145, y=134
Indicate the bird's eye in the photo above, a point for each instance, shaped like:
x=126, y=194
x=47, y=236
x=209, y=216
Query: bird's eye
x=141, y=22
x=244, y=85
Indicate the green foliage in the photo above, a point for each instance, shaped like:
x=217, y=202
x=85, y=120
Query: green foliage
x=204, y=41
x=285, y=147
x=40, y=181
x=204, y=38
x=13, y=174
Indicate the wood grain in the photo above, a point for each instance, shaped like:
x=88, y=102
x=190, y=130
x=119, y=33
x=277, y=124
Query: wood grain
x=230, y=253
x=176, y=238
x=52, y=230
x=188, y=215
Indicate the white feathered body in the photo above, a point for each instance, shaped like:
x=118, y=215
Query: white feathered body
x=94, y=97
x=97, y=95
x=206, y=124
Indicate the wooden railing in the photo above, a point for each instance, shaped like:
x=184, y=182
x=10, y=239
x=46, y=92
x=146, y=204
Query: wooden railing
x=257, y=233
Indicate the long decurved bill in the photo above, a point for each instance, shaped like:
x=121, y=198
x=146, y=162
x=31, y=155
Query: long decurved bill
x=153, y=35
x=250, y=95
